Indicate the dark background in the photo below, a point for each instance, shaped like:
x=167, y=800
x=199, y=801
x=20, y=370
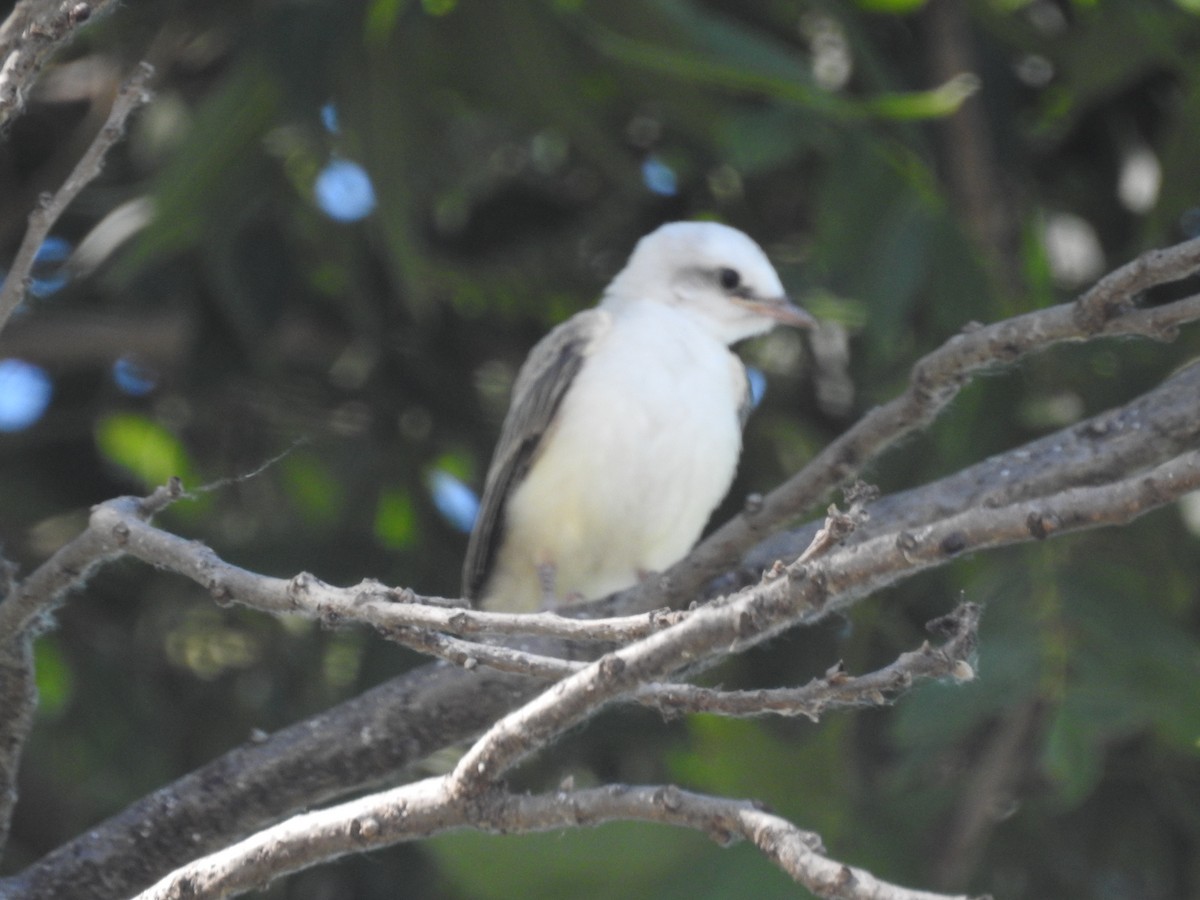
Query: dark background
x=515, y=151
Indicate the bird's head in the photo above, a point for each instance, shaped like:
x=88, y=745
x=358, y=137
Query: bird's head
x=712, y=272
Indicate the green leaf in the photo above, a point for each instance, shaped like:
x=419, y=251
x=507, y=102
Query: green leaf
x=760, y=140
x=458, y=463
x=204, y=178
x=894, y=7
x=342, y=660
x=795, y=90
x=380, y=19
x=937, y=103
x=312, y=488
x=395, y=519
x=144, y=447
x=55, y=681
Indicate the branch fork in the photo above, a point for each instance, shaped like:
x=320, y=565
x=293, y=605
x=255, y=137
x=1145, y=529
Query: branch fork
x=849, y=558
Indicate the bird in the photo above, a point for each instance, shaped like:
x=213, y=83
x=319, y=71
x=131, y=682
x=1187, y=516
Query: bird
x=624, y=427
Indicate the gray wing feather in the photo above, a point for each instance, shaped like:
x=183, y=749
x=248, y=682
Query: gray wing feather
x=541, y=384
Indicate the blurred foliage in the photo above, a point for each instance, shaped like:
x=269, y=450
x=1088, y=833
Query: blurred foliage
x=510, y=149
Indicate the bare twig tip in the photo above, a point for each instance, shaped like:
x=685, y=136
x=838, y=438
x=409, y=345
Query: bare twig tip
x=963, y=672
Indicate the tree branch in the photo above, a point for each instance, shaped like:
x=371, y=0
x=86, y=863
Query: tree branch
x=1145, y=432
x=361, y=742
x=1105, y=310
x=132, y=94
x=402, y=721
x=424, y=809
x=470, y=654
x=803, y=594
x=18, y=694
x=836, y=689
x=122, y=526
x=33, y=32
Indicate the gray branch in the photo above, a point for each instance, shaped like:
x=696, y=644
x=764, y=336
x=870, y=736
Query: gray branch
x=1108, y=309
x=801, y=594
x=130, y=96
x=836, y=689
x=33, y=32
x=423, y=809
x=18, y=699
x=1131, y=459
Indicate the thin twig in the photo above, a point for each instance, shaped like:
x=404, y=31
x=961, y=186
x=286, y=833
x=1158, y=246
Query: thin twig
x=840, y=525
x=836, y=689
x=122, y=526
x=470, y=654
x=132, y=94
x=222, y=483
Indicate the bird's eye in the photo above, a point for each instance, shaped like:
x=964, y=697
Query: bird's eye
x=729, y=278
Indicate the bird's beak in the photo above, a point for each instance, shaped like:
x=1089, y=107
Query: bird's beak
x=781, y=309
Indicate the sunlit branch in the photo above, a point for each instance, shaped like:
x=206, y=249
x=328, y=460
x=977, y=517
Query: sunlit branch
x=425, y=809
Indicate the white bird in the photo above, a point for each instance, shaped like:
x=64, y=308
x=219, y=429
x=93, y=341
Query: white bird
x=625, y=424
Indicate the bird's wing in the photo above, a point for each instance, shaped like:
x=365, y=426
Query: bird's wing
x=746, y=403
x=537, y=393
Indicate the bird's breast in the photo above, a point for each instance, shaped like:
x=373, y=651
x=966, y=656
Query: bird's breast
x=644, y=446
